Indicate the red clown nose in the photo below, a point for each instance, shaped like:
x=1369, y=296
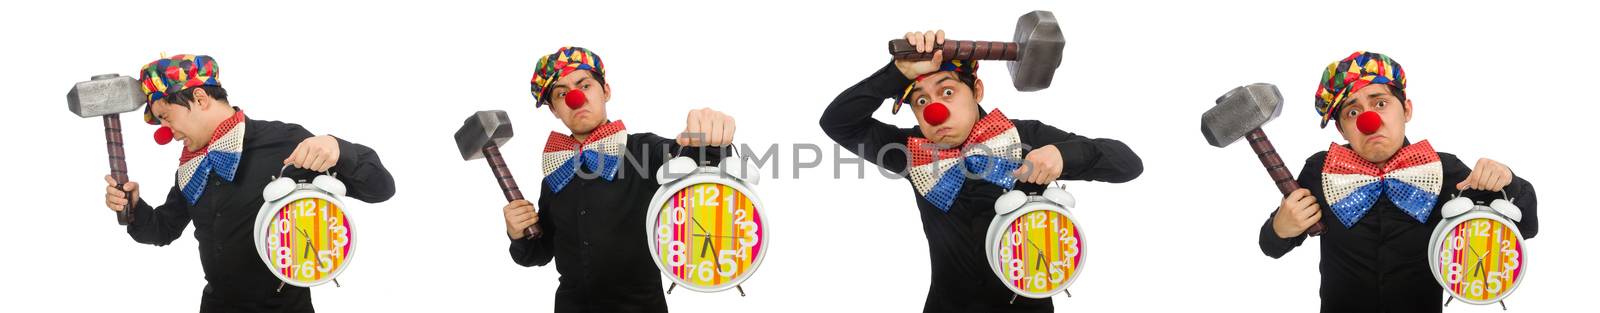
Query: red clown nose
x=576, y=100
x=163, y=135
x=1369, y=122
x=936, y=113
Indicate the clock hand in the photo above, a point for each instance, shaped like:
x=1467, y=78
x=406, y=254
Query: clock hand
x=707, y=241
x=307, y=237
x=1039, y=254
x=1479, y=259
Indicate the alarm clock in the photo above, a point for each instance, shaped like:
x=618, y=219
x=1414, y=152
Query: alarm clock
x=707, y=231
x=1034, y=245
x=1476, y=252
x=302, y=232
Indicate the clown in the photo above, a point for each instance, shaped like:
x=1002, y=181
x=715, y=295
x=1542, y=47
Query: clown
x=597, y=187
x=1379, y=194
x=227, y=159
x=960, y=160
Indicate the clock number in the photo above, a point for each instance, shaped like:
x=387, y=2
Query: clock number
x=749, y=236
x=726, y=257
x=677, y=254
x=307, y=208
x=1457, y=242
x=1038, y=281
x=283, y=225
x=679, y=215
x=1495, y=282
x=704, y=270
x=663, y=234
x=708, y=195
x=341, y=235
x=1481, y=228
x=1476, y=288
x=326, y=257
x=281, y=256
x=1058, y=272
x=1072, y=248
x=1453, y=273
x=1037, y=219
x=1016, y=238
x=307, y=269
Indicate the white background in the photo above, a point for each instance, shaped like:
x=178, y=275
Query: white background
x=1512, y=81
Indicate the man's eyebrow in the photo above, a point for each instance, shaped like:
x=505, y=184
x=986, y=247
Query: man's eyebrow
x=915, y=89
x=569, y=86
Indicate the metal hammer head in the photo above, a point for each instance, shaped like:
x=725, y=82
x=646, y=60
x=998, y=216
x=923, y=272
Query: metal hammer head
x=105, y=94
x=480, y=130
x=1041, y=44
x=1240, y=111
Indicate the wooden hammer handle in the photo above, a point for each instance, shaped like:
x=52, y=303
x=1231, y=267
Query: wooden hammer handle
x=508, y=185
x=1275, y=168
x=119, y=164
x=958, y=50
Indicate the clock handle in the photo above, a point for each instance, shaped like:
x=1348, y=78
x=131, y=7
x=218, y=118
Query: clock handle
x=1030, y=188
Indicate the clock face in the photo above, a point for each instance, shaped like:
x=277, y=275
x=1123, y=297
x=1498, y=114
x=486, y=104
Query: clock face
x=1479, y=259
x=708, y=236
x=1038, y=253
x=308, y=241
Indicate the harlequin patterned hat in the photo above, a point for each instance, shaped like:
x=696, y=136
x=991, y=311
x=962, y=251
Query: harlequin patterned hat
x=165, y=76
x=566, y=60
x=1354, y=72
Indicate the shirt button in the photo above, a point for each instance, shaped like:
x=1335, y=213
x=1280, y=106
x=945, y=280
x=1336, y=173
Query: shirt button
x=586, y=243
x=583, y=212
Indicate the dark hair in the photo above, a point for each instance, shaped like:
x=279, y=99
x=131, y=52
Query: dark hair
x=184, y=97
x=970, y=79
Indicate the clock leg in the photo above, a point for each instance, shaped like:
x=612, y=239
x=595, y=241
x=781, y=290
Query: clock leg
x=669, y=288
x=1502, y=305
x=1447, y=301
x=1068, y=292
x=741, y=289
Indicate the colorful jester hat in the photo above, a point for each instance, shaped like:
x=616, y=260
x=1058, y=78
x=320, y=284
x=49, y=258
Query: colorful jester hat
x=991, y=153
x=1354, y=72
x=556, y=65
x=169, y=75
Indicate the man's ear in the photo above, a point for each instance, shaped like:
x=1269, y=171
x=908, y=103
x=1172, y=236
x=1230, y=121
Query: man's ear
x=605, y=90
x=977, y=90
x=201, y=98
x=1408, y=110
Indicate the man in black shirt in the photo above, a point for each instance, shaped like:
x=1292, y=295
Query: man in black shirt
x=227, y=160
x=1374, y=251
x=944, y=96
x=596, y=192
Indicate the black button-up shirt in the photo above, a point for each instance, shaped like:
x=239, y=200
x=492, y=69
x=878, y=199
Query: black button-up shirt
x=225, y=215
x=594, y=229
x=1380, y=264
x=962, y=280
